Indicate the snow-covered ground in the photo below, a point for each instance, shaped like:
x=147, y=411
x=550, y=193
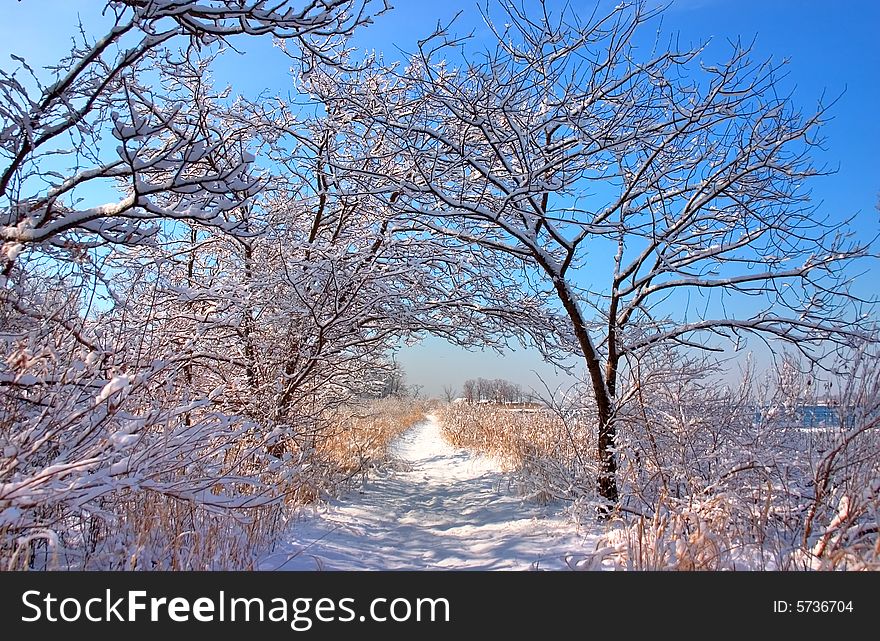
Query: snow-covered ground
x=437, y=508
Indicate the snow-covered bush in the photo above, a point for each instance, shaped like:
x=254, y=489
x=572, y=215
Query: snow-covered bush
x=754, y=466
x=715, y=476
x=94, y=441
x=113, y=458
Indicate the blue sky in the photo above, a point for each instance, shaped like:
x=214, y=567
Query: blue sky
x=832, y=47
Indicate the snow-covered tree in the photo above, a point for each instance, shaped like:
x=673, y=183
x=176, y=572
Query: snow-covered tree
x=657, y=199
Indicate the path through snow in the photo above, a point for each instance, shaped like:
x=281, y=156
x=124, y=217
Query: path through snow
x=440, y=508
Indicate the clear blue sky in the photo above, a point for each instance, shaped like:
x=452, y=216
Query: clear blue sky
x=833, y=47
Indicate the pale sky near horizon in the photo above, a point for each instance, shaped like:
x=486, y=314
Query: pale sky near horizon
x=833, y=48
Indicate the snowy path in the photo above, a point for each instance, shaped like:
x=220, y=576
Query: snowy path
x=448, y=509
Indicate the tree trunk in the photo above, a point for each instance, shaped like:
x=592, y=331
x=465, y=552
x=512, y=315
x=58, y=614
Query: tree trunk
x=607, y=478
x=248, y=328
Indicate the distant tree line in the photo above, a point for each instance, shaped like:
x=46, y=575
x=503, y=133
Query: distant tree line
x=497, y=390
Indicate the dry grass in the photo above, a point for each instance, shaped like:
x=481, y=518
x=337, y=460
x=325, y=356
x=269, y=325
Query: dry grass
x=166, y=533
x=547, y=455
x=144, y=530
x=361, y=439
x=354, y=442
x=694, y=539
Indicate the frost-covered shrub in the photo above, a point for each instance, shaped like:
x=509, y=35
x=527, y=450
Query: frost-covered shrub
x=690, y=445
x=714, y=476
x=141, y=470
